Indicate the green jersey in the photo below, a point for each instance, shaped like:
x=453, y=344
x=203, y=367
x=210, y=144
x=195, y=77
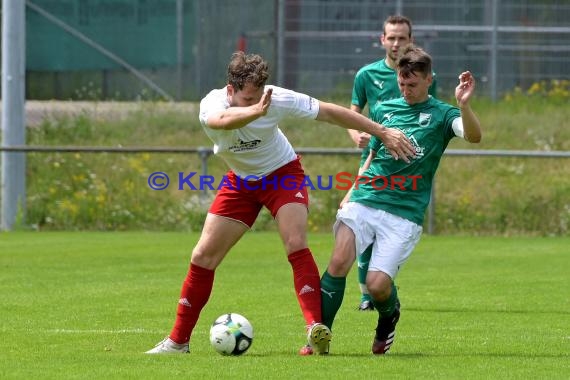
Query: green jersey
x=376, y=83
x=397, y=187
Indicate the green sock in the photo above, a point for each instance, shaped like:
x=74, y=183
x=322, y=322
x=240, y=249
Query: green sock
x=364, y=296
x=332, y=293
x=386, y=308
x=363, y=261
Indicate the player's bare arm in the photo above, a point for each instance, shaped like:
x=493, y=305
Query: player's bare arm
x=463, y=93
x=394, y=140
x=361, y=139
x=236, y=117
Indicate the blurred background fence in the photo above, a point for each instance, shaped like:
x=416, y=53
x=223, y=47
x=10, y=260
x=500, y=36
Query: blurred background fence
x=178, y=49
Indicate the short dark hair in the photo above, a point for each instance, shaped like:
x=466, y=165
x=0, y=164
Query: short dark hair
x=413, y=61
x=249, y=68
x=396, y=19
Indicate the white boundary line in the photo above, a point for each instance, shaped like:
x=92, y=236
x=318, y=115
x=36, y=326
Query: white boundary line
x=101, y=331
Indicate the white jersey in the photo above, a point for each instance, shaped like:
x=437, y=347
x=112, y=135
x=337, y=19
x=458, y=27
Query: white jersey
x=260, y=147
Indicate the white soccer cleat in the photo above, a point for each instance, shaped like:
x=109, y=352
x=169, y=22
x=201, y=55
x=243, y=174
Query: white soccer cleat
x=319, y=337
x=168, y=346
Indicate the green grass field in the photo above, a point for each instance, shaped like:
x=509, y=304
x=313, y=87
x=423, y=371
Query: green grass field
x=87, y=305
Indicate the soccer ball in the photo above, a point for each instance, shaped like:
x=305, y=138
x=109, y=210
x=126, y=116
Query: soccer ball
x=231, y=334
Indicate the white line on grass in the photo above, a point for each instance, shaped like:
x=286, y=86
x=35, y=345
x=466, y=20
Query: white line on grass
x=95, y=331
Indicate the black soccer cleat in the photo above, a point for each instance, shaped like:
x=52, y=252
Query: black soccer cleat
x=385, y=333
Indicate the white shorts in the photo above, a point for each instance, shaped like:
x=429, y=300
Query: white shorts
x=393, y=238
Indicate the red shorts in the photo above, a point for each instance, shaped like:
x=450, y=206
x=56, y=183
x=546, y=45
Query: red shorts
x=242, y=200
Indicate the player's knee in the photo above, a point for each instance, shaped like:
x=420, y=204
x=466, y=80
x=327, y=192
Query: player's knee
x=379, y=285
x=379, y=293
x=295, y=243
x=205, y=259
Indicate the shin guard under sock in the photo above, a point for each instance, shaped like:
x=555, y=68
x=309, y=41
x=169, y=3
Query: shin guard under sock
x=307, y=284
x=332, y=293
x=195, y=293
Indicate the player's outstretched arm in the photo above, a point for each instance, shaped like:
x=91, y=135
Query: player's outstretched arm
x=238, y=117
x=463, y=93
x=394, y=140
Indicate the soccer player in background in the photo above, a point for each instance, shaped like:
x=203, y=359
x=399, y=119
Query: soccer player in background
x=375, y=83
x=242, y=121
x=386, y=207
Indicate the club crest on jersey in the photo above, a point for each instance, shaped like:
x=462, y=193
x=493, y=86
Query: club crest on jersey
x=424, y=119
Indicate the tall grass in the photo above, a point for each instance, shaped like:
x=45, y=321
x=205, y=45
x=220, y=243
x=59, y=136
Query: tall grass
x=475, y=195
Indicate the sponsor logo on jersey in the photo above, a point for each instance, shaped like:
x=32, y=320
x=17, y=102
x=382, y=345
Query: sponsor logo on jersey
x=419, y=150
x=244, y=145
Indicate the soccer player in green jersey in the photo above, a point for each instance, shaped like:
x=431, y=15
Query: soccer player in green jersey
x=373, y=84
x=388, y=202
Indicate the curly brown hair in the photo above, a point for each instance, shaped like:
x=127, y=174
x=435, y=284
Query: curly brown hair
x=250, y=68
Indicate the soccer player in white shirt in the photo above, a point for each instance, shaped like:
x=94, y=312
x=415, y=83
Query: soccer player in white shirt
x=242, y=121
